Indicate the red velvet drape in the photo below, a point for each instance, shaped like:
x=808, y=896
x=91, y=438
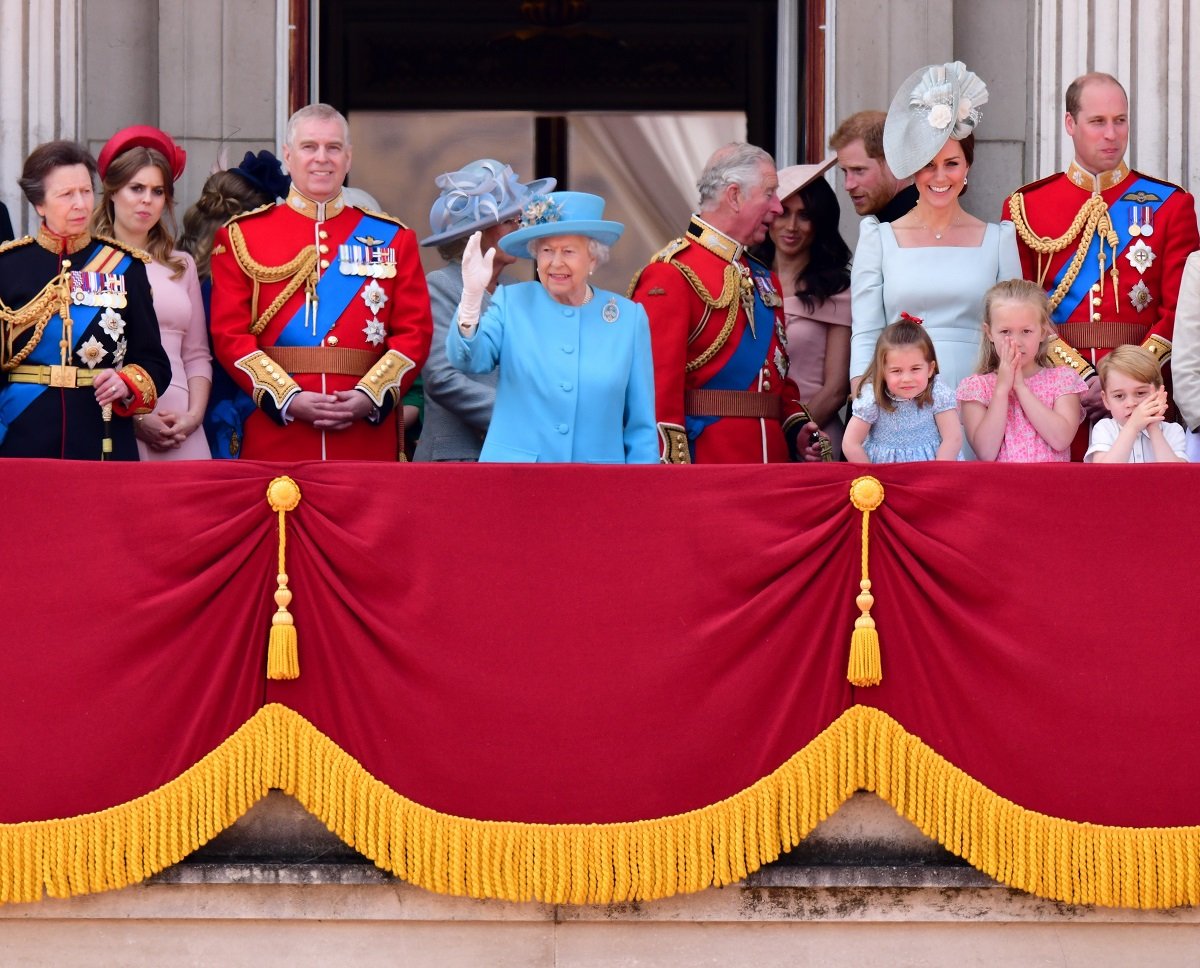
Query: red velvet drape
x=575, y=644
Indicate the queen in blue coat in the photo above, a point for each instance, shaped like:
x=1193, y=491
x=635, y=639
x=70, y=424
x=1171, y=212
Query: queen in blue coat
x=576, y=372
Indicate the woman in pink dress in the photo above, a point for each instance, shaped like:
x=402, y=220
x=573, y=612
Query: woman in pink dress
x=138, y=168
x=813, y=264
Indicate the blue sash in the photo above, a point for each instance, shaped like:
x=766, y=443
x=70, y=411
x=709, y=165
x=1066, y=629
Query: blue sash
x=1089, y=272
x=15, y=397
x=335, y=291
x=747, y=359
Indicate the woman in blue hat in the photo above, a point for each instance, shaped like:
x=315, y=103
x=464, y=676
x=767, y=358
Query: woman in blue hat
x=487, y=197
x=576, y=372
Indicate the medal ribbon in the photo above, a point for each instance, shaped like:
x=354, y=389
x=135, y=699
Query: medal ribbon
x=15, y=397
x=335, y=291
x=1089, y=272
x=739, y=371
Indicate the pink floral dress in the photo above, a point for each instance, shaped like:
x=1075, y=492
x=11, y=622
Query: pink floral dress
x=1021, y=442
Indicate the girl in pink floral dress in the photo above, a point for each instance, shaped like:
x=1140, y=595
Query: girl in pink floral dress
x=1020, y=406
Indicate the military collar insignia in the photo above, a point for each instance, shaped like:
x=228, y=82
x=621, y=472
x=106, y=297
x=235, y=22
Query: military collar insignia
x=61, y=244
x=317, y=211
x=718, y=243
x=1097, y=183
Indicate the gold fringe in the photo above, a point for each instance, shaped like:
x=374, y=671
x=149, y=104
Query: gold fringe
x=1079, y=863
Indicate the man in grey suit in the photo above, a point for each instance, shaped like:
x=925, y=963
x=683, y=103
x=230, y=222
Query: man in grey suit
x=484, y=196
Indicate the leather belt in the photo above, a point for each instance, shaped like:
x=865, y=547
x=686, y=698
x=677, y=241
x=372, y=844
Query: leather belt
x=732, y=403
x=52, y=376
x=1100, y=335
x=341, y=360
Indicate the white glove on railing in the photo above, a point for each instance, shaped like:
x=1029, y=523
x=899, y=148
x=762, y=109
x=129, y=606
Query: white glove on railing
x=476, y=273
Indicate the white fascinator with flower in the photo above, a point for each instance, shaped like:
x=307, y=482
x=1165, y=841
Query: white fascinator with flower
x=933, y=105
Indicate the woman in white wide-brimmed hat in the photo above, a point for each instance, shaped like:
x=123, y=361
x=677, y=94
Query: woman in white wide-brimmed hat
x=937, y=261
x=484, y=196
x=576, y=371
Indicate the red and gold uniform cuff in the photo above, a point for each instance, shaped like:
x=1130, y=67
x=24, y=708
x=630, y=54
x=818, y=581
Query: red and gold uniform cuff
x=145, y=396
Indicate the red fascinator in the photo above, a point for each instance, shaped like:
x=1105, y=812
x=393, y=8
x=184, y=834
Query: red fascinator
x=142, y=136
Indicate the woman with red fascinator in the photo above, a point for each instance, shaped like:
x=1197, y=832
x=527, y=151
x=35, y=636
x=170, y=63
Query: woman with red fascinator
x=138, y=169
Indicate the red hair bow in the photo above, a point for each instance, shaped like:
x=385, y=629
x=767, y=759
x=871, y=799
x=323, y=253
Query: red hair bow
x=912, y=319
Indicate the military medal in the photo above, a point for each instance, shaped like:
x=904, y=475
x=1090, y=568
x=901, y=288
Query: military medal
x=766, y=291
x=781, y=363
x=369, y=258
x=112, y=324
x=374, y=296
x=1140, y=256
x=610, y=313
x=105, y=289
x=1141, y=220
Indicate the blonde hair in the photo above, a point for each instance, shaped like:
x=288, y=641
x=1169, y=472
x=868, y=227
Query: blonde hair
x=161, y=239
x=902, y=334
x=1014, y=291
x=1136, y=362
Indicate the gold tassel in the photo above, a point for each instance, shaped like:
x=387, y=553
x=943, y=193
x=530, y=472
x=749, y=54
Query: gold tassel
x=283, y=660
x=865, y=669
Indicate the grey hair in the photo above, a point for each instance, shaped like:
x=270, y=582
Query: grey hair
x=596, y=249
x=735, y=163
x=316, y=112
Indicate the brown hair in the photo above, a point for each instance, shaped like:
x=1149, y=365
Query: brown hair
x=44, y=159
x=902, y=334
x=865, y=125
x=1136, y=362
x=1018, y=291
x=121, y=171
x=225, y=195
x=1075, y=89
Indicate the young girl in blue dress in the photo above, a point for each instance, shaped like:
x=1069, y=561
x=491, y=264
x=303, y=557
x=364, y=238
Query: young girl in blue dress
x=914, y=417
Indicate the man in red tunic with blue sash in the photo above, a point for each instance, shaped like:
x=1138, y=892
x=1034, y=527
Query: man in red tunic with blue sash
x=720, y=359
x=1108, y=244
x=320, y=310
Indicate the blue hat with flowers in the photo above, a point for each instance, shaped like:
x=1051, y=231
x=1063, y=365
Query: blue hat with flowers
x=478, y=196
x=561, y=213
x=933, y=105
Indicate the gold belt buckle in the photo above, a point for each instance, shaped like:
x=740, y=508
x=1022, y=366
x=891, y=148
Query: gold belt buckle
x=63, y=376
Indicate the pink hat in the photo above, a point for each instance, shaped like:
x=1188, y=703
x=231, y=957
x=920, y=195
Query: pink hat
x=794, y=177
x=142, y=136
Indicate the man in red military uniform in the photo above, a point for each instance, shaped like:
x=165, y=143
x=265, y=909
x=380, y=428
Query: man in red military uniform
x=716, y=324
x=320, y=310
x=1108, y=244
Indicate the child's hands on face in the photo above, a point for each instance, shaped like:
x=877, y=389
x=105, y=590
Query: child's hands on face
x=1150, y=412
x=1008, y=373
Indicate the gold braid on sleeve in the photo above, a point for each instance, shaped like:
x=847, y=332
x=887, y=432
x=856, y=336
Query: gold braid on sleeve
x=54, y=297
x=300, y=271
x=728, y=299
x=1091, y=218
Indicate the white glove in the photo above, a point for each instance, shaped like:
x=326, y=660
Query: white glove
x=476, y=273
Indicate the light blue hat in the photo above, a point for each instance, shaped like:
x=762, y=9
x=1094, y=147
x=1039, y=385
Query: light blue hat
x=478, y=196
x=561, y=213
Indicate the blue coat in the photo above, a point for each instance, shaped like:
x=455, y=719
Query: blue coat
x=573, y=388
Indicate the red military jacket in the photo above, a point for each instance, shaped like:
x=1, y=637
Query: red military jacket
x=1154, y=228
x=323, y=297
x=701, y=293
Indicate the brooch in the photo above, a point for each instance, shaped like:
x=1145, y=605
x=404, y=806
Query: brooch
x=610, y=313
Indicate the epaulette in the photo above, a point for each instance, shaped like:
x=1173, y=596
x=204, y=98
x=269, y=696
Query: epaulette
x=384, y=216
x=1026, y=189
x=136, y=253
x=670, y=250
x=16, y=243
x=249, y=212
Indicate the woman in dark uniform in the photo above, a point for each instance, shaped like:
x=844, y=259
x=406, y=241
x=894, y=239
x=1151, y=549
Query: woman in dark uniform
x=78, y=336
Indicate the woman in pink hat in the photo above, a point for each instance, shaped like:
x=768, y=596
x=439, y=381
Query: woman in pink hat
x=138, y=169
x=812, y=261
